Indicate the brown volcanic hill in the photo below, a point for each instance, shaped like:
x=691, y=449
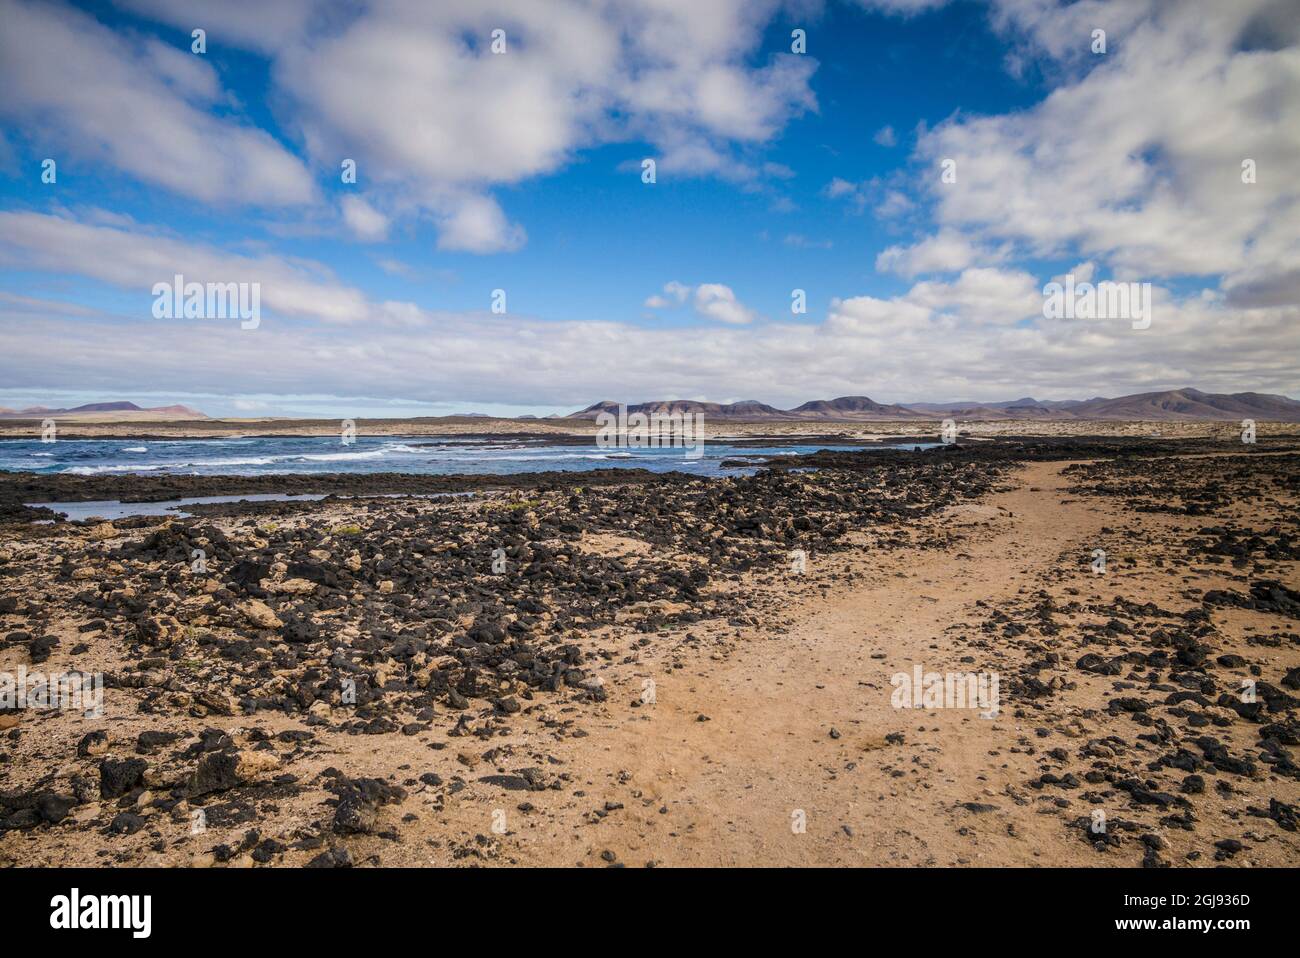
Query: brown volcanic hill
x=104, y=407
x=983, y=412
x=1170, y=405
x=184, y=412
x=746, y=409
x=1192, y=404
x=107, y=411
x=751, y=409
x=852, y=407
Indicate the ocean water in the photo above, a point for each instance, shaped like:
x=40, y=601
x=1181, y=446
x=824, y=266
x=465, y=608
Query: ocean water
x=426, y=455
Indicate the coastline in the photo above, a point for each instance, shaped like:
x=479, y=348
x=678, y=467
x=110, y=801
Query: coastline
x=580, y=430
x=19, y=487
x=519, y=698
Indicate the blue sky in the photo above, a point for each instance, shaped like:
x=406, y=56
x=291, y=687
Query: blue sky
x=776, y=171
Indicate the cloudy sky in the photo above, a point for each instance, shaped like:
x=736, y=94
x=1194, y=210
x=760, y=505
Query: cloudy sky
x=776, y=169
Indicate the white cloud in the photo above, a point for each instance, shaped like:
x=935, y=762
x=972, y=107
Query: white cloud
x=675, y=294
x=839, y=187
x=947, y=251
x=983, y=296
x=395, y=267
x=715, y=301
x=895, y=203
x=906, y=8
x=38, y=306
x=86, y=92
x=937, y=340
x=799, y=241
x=1116, y=165
x=980, y=334
x=459, y=120
x=365, y=222
x=678, y=291
x=134, y=260
x=1082, y=273
x=888, y=200
x=712, y=301
x=856, y=194
x=885, y=136
x=412, y=91
x=254, y=24
x=474, y=223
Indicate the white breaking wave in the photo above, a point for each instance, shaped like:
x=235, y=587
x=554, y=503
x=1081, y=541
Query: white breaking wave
x=95, y=470
x=253, y=461
x=338, y=456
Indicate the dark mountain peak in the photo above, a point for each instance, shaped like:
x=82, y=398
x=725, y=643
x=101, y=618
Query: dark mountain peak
x=104, y=411
x=104, y=407
x=845, y=403
x=1171, y=404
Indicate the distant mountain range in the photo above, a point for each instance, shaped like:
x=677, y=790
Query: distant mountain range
x=112, y=411
x=1171, y=405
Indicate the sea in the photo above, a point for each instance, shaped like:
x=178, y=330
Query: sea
x=424, y=455
x=298, y=455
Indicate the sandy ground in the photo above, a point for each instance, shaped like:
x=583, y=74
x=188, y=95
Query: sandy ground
x=769, y=742
x=729, y=790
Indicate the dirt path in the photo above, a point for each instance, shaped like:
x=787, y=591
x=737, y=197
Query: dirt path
x=728, y=791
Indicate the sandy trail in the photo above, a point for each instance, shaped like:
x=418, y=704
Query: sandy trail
x=733, y=786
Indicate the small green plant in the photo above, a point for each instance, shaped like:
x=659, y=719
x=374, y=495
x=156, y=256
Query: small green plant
x=348, y=530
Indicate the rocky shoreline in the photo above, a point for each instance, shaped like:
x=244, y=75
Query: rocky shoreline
x=362, y=680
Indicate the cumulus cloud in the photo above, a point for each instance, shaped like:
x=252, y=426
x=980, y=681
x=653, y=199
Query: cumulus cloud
x=474, y=223
x=674, y=294
x=839, y=187
x=946, y=251
x=887, y=201
x=982, y=296
x=980, y=336
x=716, y=301
x=1115, y=164
x=460, y=119
x=143, y=107
x=250, y=24
x=365, y=222
x=135, y=261
x=457, y=119
x=712, y=301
